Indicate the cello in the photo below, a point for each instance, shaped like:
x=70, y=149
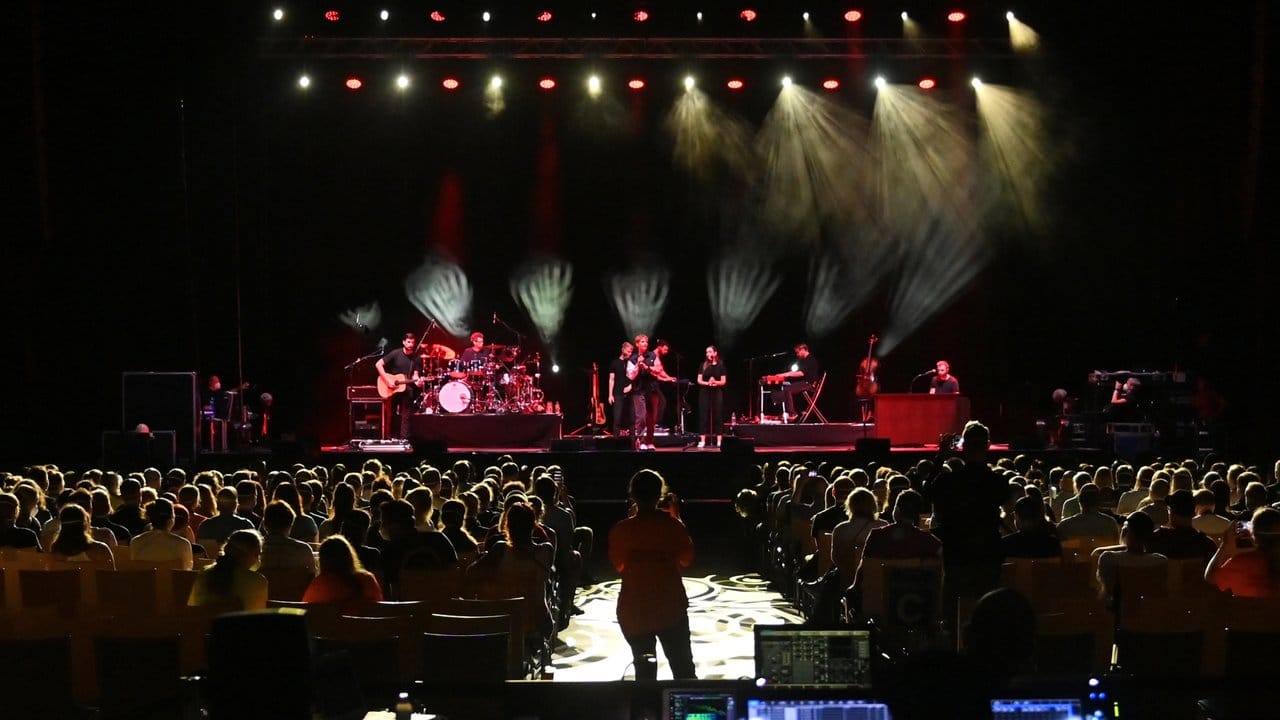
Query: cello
x=868, y=385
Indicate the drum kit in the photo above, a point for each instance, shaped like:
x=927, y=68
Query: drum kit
x=502, y=382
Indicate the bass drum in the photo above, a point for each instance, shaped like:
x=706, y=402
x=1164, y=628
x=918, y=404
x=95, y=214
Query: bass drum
x=455, y=397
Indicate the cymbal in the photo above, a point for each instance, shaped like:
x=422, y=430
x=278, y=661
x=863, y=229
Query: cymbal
x=434, y=350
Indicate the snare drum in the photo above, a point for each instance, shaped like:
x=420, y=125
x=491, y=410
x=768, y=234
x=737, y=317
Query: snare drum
x=477, y=369
x=455, y=397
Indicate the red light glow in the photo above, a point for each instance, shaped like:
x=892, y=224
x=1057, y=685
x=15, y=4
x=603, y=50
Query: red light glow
x=734, y=84
x=641, y=16
x=450, y=83
x=956, y=16
x=354, y=83
x=636, y=84
x=927, y=84
x=545, y=16
x=748, y=15
x=853, y=16
x=831, y=84
x=547, y=83
x=436, y=16
x=332, y=15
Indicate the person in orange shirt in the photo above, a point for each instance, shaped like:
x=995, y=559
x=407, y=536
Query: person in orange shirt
x=649, y=548
x=1246, y=572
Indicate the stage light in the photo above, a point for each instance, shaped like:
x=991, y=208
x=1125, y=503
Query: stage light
x=278, y=14
x=853, y=16
x=366, y=318
x=1010, y=16
x=738, y=287
x=734, y=84
x=547, y=83
x=402, y=82
x=385, y=15
x=905, y=17
x=304, y=81
x=831, y=84
x=495, y=82
x=641, y=16
x=805, y=15
x=555, y=367
x=640, y=297
x=880, y=81
x=593, y=16
x=786, y=81
x=436, y=16
x=955, y=16
x=593, y=84
x=976, y=82
x=354, y=83
x=749, y=15
x=699, y=16
x=544, y=16
x=450, y=83
x=927, y=83
x=332, y=15
x=485, y=16
x=688, y=82
x=635, y=84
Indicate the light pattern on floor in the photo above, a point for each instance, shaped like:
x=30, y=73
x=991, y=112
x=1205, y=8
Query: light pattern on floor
x=722, y=614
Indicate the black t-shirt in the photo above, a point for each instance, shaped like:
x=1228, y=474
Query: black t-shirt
x=618, y=369
x=809, y=366
x=712, y=372
x=471, y=355
x=398, y=363
x=16, y=537
x=950, y=386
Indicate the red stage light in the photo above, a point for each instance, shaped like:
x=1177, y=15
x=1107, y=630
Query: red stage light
x=332, y=15
x=641, y=16
x=853, y=16
x=927, y=83
x=436, y=16
x=831, y=84
x=636, y=84
x=748, y=15
x=545, y=16
x=547, y=83
x=956, y=16
x=734, y=84
x=450, y=83
x=354, y=83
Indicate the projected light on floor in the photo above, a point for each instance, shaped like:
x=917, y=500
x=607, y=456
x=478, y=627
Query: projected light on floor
x=365, y=318
x=439, y=289
x=640, y=297
x=543, y=289
x=738, y=287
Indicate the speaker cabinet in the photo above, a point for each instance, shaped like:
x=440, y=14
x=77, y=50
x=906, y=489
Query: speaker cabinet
x=163, y=401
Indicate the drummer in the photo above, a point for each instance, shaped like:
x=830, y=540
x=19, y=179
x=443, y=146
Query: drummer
x=477, y=353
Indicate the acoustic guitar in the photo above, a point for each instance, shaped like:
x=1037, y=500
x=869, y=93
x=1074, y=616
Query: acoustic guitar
x=399, y=382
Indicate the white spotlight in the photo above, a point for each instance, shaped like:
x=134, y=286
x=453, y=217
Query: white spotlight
x=805, y=16
x=385, y=15
x=1009, y=16
x=593, y=84
x=699, y=16
x=880, y=82
x=304, y=81
x=278, y=14
x=496, y=82
x=485, y=16
x=976, y=82
x=402, y=82
x=593, y=16
x=904, y=15
x=786, y=81
x=555, y=367
x=688, y=82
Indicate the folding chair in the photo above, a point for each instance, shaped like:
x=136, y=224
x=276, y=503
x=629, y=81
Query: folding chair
x=811, y=401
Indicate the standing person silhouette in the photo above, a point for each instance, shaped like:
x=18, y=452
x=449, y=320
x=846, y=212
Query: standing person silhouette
x=649, y=548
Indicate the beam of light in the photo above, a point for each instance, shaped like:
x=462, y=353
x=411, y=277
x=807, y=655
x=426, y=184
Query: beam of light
x=911, y=29
x=688, y=82
x=815, y=163
x=933, y=204
x=739, y=286
x=543, y=289
x=494, y=100
x=366, y=318
x=835, y=290
x=639, y=297
x=440, y=290
x=709, y=142
x=1021, y=35
x=1014, y=150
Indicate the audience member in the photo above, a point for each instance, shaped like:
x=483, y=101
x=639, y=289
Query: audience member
x=1179, y=539
x=1090, y=522
x=1135, y=535
x=1035, y=536
x=11, y=535
x=75, y=544
x=278, y=549
x=233, y=580
x=1249, y=572
x=160, y=544
x=342, y=581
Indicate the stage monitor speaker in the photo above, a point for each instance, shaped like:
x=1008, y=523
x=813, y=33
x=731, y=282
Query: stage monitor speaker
x=873, y=450
x=260, y=666
x=731, y=445
x=614, y=444
x=163, y=401
x=135, y=451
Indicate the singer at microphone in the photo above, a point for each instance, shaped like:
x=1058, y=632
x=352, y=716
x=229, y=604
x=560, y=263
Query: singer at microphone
x=943, y=382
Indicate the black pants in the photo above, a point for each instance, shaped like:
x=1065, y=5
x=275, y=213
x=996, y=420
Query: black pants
x=402, y=405
x=787, y=394
x=676, y=645
x=711, y=410
x=621, y=413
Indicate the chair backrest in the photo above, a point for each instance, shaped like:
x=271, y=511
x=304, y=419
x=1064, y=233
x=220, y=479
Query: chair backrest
x=1074, y=640
x=36, y=676
x=287, y=583
x=824, y=553
x=128, y=592
x=59, y=588
x=180, y=584
x=121, y=660
x=1080, y=549
x=902, y=594
x=451, y=660
x=516, y=609
x=430, y=584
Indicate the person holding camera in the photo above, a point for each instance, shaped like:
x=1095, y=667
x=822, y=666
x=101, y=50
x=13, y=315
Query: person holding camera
x=649, y=548
x=1245, y=571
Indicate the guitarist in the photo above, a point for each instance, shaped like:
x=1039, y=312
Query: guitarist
x=408, y=366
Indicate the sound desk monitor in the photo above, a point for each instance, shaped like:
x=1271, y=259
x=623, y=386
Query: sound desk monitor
x=795, y=656
x=698, y=705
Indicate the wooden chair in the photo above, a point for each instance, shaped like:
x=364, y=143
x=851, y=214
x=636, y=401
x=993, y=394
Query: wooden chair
x=123, y=653
x=451, y=659
x=58, y=588
x=1132, y=583
x=125, y=592
x=1160, y=637
x=321, y=619
x=287, y=583
x=519, y=656
x=180, y=584
x=37, y=676
x=1080, y=550
x=904, y=596
x=1061, y=581
x=430, y=585
x=374, y=646
x=1074, y=639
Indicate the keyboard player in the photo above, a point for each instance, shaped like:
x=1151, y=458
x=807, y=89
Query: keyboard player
x=802, y=376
